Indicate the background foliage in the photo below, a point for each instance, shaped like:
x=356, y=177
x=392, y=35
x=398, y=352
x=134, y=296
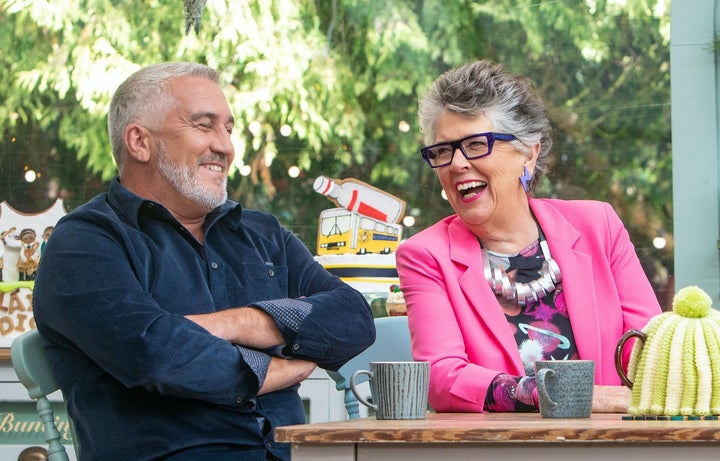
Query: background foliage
x=343, y=78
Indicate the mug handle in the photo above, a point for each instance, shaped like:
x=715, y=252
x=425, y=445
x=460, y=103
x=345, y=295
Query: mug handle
x=619, y=350
x=542, y=389
x=356, y=393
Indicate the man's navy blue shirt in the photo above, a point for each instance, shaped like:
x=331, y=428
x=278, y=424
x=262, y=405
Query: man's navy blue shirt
x=143, y=382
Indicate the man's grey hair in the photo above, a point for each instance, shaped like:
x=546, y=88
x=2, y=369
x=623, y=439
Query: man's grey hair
x=143, y=98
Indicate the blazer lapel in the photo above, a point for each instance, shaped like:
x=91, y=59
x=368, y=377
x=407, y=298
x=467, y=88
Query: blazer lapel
x=466, y=253
x=578, y=280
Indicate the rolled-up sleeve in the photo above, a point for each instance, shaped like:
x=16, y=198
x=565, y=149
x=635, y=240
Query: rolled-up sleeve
x=257, y=361
x=326, y=320
x=287, y=313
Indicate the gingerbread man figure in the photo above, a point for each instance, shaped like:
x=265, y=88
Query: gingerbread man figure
x=29, y=255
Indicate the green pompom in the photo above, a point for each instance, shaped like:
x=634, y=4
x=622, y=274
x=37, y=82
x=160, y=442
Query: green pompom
x=692, y=302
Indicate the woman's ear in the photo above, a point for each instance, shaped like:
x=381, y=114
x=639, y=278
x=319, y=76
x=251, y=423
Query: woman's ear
x=137, y=140
x=532, y=156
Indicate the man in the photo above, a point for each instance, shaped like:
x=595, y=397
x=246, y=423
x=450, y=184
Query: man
x=179, y=324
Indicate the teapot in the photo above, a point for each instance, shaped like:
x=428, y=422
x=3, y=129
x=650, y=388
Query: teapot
x=674, y=366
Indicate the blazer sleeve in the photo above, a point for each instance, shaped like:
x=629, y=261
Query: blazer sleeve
x=638, y=302
x=429, y=286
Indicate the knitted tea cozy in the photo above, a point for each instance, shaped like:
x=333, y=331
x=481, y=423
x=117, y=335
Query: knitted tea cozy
x=676, y=371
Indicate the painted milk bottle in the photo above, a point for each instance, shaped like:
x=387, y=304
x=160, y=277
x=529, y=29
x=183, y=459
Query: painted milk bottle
x=354, y=195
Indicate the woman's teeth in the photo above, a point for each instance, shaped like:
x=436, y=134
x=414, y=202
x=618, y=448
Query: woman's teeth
x=468, y=189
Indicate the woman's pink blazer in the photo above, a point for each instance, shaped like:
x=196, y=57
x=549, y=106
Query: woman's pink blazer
x=456, y=322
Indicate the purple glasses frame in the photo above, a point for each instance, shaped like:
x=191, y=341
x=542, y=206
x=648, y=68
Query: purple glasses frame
x=491, y=137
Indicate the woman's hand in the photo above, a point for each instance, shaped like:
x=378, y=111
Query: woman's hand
x=610, y=399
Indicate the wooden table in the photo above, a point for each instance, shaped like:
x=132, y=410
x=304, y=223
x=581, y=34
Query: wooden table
x=503, y=436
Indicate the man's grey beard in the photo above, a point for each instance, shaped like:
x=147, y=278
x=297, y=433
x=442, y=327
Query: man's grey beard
x=187, y=182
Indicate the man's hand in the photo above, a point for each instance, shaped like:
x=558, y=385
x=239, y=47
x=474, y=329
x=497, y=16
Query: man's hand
x=610, y=399
x=283, y=373
x=246, y=326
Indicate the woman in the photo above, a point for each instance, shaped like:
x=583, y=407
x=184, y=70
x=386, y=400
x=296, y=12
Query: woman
x=510, y=279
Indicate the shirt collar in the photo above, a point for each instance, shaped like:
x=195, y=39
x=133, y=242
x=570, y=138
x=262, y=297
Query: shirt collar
x=131, y=206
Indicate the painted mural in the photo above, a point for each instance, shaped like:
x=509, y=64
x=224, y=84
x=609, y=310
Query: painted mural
x=23, y=237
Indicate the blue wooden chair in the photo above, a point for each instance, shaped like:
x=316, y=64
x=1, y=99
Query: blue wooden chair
x=33, y=369
x=392, y=344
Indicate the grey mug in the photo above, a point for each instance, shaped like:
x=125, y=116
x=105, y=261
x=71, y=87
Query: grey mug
x=565, y=388
x=399, y=389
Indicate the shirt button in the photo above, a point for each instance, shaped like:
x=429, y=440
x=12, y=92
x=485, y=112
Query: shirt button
x=239, y=400
x=271, y=273
x=214, y=265
x=296, y=347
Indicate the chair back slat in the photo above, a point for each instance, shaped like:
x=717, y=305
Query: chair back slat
x=33, y=370
x=392, y=344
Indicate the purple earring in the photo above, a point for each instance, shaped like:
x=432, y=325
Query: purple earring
x=525, y=178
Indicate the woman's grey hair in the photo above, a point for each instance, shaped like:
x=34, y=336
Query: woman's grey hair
x=143, y=98
x=509, y=101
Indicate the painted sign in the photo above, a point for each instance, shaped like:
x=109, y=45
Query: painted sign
x=366, y=220
x=23, y=237
x=20, y=424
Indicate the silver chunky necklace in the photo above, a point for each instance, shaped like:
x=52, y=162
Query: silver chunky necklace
x=522, y=292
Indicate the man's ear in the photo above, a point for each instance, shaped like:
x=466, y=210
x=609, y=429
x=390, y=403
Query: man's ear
x=137, y=140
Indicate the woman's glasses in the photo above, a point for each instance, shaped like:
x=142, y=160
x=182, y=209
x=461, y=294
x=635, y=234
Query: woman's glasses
x=472, y=147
